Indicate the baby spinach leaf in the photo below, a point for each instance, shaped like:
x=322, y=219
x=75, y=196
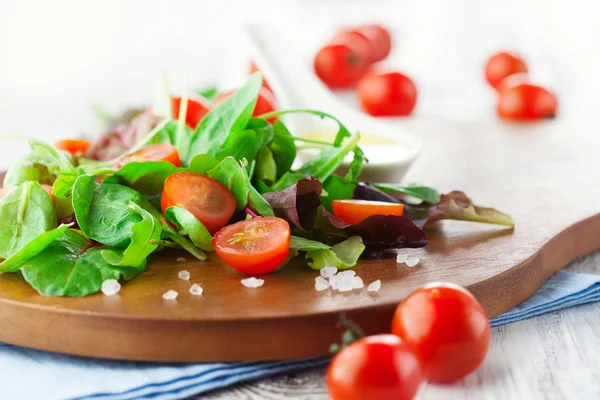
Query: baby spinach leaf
x=72, y=266
x=231, y=174
x=144, y=236
x=303, y=244
x=357, y=164
x=34, y=247
x=457, y=205
x=188, y=224
x=232, y=115
x=28, y=169
x=259, y=203
x=202, y=163
x=54, y=159
x=343, y=255
x=146, y=177
x=283, y=148
x=266, y=169
x=297, y=204
x=208, y=92
x=248, y=142
x=337, y=188
x=425, y=193
x=25, y=212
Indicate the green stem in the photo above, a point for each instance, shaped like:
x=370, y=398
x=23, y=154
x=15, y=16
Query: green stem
x=189, y=247
x=305, y=140
x=164, y=243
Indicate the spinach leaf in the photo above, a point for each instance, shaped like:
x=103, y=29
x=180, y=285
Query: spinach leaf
x=51, y=157
x=202, y=163
x=72, y=266
x=248, y=142
x=337, y=188
x=144, y=236
x=427, y=194
x=25, y=212
x=266, y=168
x=230, y=116
x=208, y=92
x=231, y=174
x=34, y=247
x=302, y=244
x=343, y=255
x=188, y=224
x=283, y=148
x=259, y=204
x=146, y=177
x=357, y=164
x=28, y=169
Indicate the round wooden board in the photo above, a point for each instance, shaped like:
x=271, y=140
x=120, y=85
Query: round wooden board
x=545, y=175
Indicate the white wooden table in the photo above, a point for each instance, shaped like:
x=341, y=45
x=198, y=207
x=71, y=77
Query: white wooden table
x=553, y=356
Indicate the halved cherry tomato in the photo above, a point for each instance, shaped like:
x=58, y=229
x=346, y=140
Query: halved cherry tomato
x=446, y=327
x=379, y=367
x=197, y=108
x=73, y=146
x=526, y=102
x=254, y=246
x=387, y=94
x=357, y=42
x=339, y=65
x=265, y=103
x=6, y=190
x=502, y=65
x=154, y=152
x=354, y=211
x=253, y=69
x=380, y=38
x=209, y=200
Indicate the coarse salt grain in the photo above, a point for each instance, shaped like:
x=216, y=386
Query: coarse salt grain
x=170, y=295
x=334, y=282
x=110, y=287
x=401, y=258
x=252, y=282
x=185, y=275
x=196, y=290
x=357, y=283
x=374, y=286
x=180, y=259
x=321, y=283
x=348, y=272
x=412, y=261
x=328, y=271
x=345, y=286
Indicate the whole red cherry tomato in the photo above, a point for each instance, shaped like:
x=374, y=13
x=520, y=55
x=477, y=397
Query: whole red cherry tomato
x=446, y=327
x=265, y=103
x=197, y=108
x=387, y=94
x=358, y=42
x=339, y=65
x=379, y=367
x=380, y=38
x=526, y=102
x=501, y=65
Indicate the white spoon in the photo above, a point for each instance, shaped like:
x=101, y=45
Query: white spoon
x=291, y=77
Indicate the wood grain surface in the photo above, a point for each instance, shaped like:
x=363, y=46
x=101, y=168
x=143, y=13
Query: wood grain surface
x=544, y=175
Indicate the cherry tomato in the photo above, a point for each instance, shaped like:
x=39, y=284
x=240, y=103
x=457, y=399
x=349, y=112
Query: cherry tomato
x=387, y=94
x=6, y=190
x=339, y=65
x=209, y=200
x=253, y=69
x=526, y=102
x=380, y=38
x=254, y=246
x=265, y=103
x=357, y=42
x=379, y=367
x=154, y=152
x=446, y=327
x=197, y=108
x=73, y=146
x=354, y=211
x=501, y=65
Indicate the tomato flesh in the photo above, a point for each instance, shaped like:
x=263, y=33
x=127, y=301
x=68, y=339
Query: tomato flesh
x=73, y=146
x=380, y=38
x=355, y=211
x=339, y=65
x=502, y=65
x=207, y=199
x=446, y=327
x=526, y=102
x=387, y=94
x=265, y=103
x=197, y=108
x=379, y=367
x=255, y=246
x=154, y=152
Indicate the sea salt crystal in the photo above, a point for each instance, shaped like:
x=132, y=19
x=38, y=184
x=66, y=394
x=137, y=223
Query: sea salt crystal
x=110, y=287
x=252, y=282
x=357, y=283
x=196, y=290
x=170, y=295
x=348, y=272
x=180, y=259
x=401, y=258
x=321, y=283
x=346, y=286
x=185, y=275
x=374, y=286
x=412, y=261
x=328, y=271
x=335, y=281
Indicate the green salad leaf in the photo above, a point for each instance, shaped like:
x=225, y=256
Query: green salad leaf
x=247, y=143
x=28, y=168
x=343, y=255
x=283, y=147
x=189, y=225
x=458, y=206
x=266, y=168
x=303, y=244
x=425, y=193
x=146, y=177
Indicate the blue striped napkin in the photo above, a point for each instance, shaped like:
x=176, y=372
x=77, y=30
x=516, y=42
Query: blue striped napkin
x=30, y=374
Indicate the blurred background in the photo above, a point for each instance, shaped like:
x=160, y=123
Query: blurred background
x=59, y=58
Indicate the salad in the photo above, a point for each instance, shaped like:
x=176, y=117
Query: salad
x=201, y=180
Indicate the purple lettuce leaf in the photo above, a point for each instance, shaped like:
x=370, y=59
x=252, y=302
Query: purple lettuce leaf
x=298, y=204
x=458, y=206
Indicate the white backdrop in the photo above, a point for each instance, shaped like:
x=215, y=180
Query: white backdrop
x=58, y=58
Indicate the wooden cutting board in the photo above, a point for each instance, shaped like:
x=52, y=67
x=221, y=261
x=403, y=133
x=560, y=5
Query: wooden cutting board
x=547, y=176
